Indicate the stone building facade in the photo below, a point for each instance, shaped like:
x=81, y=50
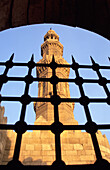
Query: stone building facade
x=38, y=147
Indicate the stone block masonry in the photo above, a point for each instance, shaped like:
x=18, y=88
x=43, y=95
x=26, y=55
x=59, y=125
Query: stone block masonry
x=40, y=150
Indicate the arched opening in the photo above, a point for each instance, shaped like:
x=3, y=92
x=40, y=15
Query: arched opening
x=91, y=15
x=78, y=42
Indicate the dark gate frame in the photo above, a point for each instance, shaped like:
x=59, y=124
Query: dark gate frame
x=56, y=127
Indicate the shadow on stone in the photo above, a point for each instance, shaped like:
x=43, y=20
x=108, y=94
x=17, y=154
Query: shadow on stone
x=30, y=161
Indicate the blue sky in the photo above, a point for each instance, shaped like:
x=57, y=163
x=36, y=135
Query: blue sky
x=27, y=40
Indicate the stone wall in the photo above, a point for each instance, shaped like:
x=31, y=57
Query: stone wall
x=38, y=148
x=3, y=133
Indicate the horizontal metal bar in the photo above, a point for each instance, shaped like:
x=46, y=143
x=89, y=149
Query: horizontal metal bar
x=58, y=65
x=38, y=127
x=6, y=98
x=84, y=80
x=48, y=127
x=90, y=66
x=104, y=126
x=34, y=99
x=7, y=126
x=91, y=100
x=59, y=79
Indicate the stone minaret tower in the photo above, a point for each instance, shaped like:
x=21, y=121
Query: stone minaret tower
x=44, y=111
x=38, y=147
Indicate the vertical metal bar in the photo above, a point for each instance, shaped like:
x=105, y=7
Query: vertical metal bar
x=22, y=117
x=96, y=69
x=56, y=119
x=87, y=112
x=58, y=147
x=104, y=85
x=96, y=146
x=17, y=147
x=8, y=66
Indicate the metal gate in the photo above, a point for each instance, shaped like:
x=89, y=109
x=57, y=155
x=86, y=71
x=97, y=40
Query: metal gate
x=56, y=127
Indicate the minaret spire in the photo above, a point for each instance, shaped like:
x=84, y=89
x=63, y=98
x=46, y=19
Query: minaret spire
x=52, y=47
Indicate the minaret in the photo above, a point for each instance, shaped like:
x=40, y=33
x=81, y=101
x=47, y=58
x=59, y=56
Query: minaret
x=39, y=147
x=44, y=110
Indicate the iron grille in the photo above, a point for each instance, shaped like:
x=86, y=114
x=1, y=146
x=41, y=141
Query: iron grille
x=21, y=126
